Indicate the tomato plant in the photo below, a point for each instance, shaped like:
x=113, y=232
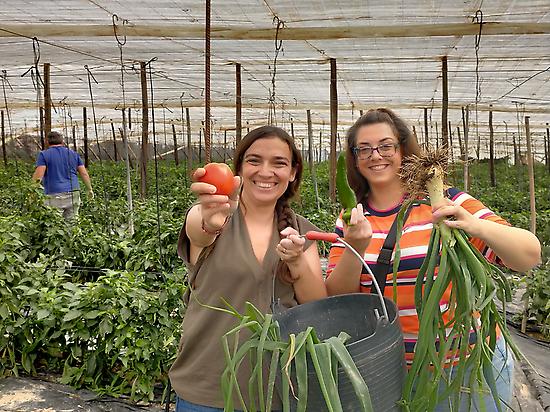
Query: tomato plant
x=221, y=176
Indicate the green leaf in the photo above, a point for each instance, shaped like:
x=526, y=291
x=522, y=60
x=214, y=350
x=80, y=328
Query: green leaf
x=125, y=313
x=348, y=365
x=92, y=314
x=72, y=314
x=43, y=313
x=4, y=311
x=105, y=327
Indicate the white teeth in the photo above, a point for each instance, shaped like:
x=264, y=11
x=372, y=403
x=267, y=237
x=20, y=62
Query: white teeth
x=378, y=167
x=264, y=185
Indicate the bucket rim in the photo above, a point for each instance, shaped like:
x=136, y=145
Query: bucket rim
x=347, y=296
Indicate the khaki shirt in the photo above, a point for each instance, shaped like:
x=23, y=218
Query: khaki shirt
x=231, y=271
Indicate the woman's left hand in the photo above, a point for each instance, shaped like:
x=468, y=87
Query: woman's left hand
x=291, y=246
x=462, y=219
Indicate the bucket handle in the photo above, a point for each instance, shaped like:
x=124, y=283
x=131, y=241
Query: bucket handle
x=333, y=238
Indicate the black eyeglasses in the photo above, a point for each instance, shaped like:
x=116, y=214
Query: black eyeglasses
x=384, y=150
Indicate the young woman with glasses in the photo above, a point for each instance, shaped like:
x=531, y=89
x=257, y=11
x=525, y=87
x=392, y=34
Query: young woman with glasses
x=377, y=144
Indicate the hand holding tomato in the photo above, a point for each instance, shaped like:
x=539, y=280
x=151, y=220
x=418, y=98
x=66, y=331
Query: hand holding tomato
x=218, y=193
x=220, y=176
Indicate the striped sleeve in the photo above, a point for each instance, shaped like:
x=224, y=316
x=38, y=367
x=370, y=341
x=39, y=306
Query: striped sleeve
x=337, y=248
x=479, y=210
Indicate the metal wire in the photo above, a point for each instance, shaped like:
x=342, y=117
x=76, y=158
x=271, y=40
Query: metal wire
x=121, y=43
x=102, y=170
x=149, y=63
x=478, y=18
x=207, y=85
x=279, y=24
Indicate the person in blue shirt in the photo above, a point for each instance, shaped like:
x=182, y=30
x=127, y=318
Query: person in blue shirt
x=57, y=168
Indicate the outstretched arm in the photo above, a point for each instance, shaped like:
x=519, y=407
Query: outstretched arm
x=345, y=277
x=518, y=248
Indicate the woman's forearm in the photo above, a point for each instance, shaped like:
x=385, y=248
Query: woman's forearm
x=518, y=248
x=345, y=278
x=309, y=284
x=193, y=227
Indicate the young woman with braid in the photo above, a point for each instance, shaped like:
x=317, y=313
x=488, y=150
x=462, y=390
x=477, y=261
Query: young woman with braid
x=241, y=248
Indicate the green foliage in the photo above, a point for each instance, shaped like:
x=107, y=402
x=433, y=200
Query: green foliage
x=126, y=289
x=538, y=291
x=88, y=300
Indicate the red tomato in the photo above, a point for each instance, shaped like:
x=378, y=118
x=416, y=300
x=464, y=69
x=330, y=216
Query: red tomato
x=219, y=175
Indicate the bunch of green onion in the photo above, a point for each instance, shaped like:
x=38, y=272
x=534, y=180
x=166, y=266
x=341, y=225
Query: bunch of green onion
x=475, y=283
x=288, y=360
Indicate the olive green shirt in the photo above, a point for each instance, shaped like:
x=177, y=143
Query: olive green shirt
x=231, y=271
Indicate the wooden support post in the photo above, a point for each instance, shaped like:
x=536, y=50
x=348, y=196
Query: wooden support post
x=4, y=156
x=207, y=84
x=200, y=145
x=320, y=158
x=548, y=146
x=444, y=104
x=129, y=118
x=238, y=105
x=176, y=158
x=224, y=144
x=530, y=166
x=163, y=126
x=436, y=136
x=516, y=154
x=466, y=127
x=426, y=135
x=533, y=211
x=460, y=142
x=129, y=199
x=42, y=143
x=451, y=154
x=189, y=162
x=414, y=134
x=310, y=158
x=74, y=138
x=518, y=163
x=309, y=141
x=47, y=100
x=85, y=126
x=333, y=128
x=492, y=176
x=114, y=141
x=144, y=131
x=360, y=112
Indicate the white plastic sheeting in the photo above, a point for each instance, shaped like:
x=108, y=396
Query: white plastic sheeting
x=401, y=72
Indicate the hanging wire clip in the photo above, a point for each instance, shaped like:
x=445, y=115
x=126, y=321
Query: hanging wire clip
x=90, y=74
x=124, y=23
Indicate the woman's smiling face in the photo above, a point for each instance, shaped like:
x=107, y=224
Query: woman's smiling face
x=266, y=170
x=378, y=170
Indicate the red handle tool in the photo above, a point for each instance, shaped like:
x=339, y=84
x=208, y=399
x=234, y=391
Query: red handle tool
x=323, y=236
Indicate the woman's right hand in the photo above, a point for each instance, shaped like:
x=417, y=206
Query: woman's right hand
x=359, y=231
x=215, y=209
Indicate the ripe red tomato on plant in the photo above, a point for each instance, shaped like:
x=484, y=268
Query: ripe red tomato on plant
x=219, y=175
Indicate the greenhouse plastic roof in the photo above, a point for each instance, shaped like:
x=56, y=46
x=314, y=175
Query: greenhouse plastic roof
x=388, y=53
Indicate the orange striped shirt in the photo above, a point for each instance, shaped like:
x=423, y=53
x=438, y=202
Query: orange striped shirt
x=414, y=246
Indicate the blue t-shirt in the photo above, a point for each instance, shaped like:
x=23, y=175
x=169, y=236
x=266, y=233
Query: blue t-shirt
x=61, y=169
